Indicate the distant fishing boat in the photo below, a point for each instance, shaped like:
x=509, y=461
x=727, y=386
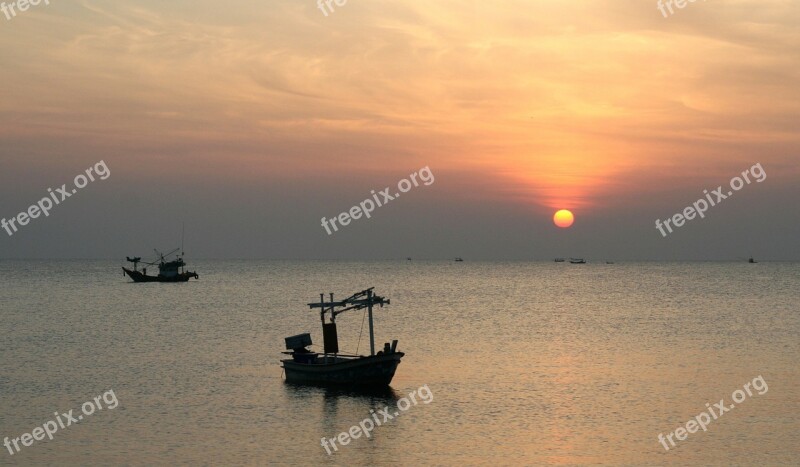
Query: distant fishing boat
x=752, y=260
x=459, y=260
x=335, y=368
x=577, y=261
x=168, y=271
x=559, y=260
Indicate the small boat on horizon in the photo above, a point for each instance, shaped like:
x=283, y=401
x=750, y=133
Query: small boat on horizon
x=168, y=271
x=559, y=260
x=335, y=368
x=459, y=260
x=577, y=261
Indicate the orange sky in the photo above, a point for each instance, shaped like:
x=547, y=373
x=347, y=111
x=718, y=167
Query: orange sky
x=552, y=104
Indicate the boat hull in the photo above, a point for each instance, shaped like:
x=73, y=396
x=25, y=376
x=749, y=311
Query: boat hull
x=140, y=277
x=376, y=370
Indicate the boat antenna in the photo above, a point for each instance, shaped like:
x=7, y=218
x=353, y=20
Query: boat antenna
x=183, y=231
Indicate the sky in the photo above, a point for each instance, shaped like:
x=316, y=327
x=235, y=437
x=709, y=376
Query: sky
x=249, y=122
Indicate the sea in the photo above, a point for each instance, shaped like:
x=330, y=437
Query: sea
x=509, y=363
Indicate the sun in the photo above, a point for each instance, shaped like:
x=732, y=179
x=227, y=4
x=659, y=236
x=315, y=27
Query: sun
x=563, y=218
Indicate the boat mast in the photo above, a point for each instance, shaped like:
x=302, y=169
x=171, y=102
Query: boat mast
x=322, y=318
x=354, y=302
x=371, y=332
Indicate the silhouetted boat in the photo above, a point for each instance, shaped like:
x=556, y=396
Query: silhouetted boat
x=168, y=271
x=458, y=260
x=577, y=261
x=752, y=261
x=559, y=260
x=332, y=367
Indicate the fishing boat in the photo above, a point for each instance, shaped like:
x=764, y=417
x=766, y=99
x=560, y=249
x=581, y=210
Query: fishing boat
x=752, y=260
x=577, y=261
x=459, y=260
x=559, y=260
x=333, y=367
x=168, y=271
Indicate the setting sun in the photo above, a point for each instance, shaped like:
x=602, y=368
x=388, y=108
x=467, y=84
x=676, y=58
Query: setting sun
x=563, y=218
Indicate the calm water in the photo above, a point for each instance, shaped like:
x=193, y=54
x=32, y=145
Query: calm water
x=528, y=363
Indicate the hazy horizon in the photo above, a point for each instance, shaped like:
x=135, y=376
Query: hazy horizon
x=250, y=123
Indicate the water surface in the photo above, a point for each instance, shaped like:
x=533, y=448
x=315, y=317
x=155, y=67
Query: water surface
x=528, y=363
